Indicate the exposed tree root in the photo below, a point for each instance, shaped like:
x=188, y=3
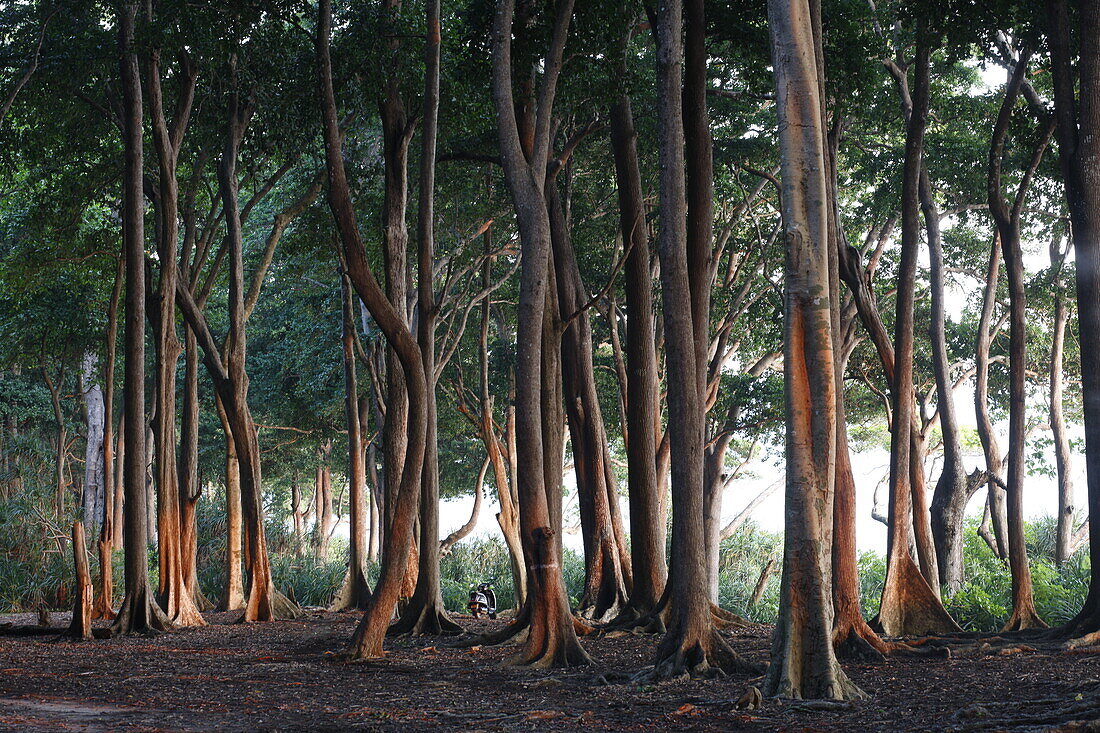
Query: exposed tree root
x=424, y=619
x=138, y=615
x=551, y=650
x=855, y=640
x=1024, y=619
x=515, y=632
x=909, y=607
x=687, y=655
x=276, y=607
x=351, y=596
x=724, y=619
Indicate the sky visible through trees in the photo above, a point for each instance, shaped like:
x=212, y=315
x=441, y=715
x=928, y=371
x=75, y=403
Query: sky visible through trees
x=760, y=336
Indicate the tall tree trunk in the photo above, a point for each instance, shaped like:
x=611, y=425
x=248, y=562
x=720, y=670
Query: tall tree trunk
x=647, y=547
x=604, y=585
x=367, y=641
x=173, y=594
x=425, y=613
x=356, y=591
x=110, y=529
x=803, y=663
x=1078, y=126
x=909, y=603
x=953, y=490
x=551, y=639
x=1024, y=614
x=1063, y=546
x=692, y=644
x=139, y=612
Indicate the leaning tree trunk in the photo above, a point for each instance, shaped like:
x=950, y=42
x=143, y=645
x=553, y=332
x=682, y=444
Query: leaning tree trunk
x=803, y=662
x=139, y=612
x=368, y=638
x=953, y=490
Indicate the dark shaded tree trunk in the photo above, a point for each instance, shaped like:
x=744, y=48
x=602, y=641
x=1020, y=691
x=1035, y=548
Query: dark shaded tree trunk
x=139, y=612
x=643, y=412
x=1078, y=128
x=605, y=590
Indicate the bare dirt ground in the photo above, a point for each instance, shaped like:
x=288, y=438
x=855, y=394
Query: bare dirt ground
x=288, y=676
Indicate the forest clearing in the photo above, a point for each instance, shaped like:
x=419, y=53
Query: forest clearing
x=523, y=364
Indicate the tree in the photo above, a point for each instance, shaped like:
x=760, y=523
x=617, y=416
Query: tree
x=803, y=661
x=367, y=641
x=139, y=611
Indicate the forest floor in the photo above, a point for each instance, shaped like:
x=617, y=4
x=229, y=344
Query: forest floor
x=287, y=676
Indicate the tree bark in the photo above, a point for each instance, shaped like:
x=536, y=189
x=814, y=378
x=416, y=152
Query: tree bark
x=110, y=529
x=173, y=594
x=647, y=525
x=139, y=612
x=551, y=639
x=692, y=644
x=355, y=592
x=1063, y=546
x=1078, y=129
x=367, y=641
x=909, y=603
x=425, y=613
x=803, y=663
x=1024, y=614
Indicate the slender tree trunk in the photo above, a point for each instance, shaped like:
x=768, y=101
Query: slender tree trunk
x=110, y=529
x=356, y=590
x=1024, y=614
x=425, y=613
x=909, y=604
x=367, y=641
x=94, y=416
x=1063, y=546
x=139, y=612
x=647, y=525
x=173, y=594
x=190, y=486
